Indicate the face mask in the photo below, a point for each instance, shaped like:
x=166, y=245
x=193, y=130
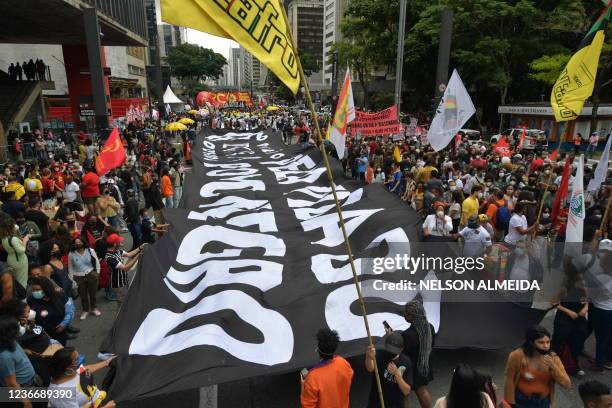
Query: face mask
x=547, y=172
x=38, y=294
x=480, y=195
x=32, y=315
x=488, y=184
x=502, y=174
x=542, y=352
x=440, y=214
x=22, y=330
x=512, y=183
x=56, y=254
x=546, y=216
x=519, y=251
x=453, y=188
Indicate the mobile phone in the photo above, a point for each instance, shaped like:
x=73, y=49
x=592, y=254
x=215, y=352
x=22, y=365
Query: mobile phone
x=387, y=327
x=304, y=372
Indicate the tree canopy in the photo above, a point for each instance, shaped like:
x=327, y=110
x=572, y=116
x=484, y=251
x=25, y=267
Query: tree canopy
x=505, y=50
x=192, y=62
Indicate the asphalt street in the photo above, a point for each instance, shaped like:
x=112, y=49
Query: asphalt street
x=282, y=391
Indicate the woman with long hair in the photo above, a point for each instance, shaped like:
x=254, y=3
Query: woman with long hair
x=84, y=266
x=66, y=373
x=418, y=343
x=571, y=328
x=15, y=247
x=54, y=311
x=55, y=267
x=465, y=390
x=532, y=372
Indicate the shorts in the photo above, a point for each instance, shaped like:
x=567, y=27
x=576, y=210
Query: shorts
x=89, y=200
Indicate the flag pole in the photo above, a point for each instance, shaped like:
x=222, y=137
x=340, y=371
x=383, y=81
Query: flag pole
x=604, y=219
x=330, y=178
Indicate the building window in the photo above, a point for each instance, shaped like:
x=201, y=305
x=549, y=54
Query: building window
x=134, y=70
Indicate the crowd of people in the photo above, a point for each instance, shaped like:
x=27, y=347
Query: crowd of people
x=62, y=232
x=62, y=229
x=33, y=71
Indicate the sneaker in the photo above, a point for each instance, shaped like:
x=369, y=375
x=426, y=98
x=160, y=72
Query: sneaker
x=96, y=312
x=83, y=315
x=105, y=356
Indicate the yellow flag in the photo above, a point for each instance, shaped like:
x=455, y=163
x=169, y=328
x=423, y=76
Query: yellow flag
x=396, y=155
x=257, y=25
x=576, y=82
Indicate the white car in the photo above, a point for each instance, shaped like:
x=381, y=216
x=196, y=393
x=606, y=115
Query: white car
x=473, y=136
x=513, y=136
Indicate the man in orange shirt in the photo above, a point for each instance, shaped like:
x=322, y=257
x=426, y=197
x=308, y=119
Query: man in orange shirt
x=328, y=383
x=166, y=188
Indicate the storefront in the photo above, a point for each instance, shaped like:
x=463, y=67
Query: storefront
x=540, y=116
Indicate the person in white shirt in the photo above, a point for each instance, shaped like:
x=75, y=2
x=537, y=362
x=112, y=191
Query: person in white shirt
x=518, y=228
x=476, y=240
x=71, y=190
x=438, y=224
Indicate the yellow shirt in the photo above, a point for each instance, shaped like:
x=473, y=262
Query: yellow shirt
x=468, y=208
x=37, y=186
x=17, y=188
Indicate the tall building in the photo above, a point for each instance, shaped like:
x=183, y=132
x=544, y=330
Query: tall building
x=306, y=18
x=334, y=10
x=235, y=74
x=170, y=36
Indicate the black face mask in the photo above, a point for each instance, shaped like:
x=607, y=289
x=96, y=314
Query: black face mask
x=385, y=355
x=56, y=254
x=543, y=352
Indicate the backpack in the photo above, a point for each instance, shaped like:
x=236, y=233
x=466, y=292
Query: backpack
x=502, y=217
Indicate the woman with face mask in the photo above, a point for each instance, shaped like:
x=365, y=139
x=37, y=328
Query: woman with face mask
x=15, y=368
x=84, y=266
x=66, y=372
x=56, y=269
x=533, y=371
x=54, y=311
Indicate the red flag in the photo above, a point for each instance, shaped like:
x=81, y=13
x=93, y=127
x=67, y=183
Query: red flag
x=522, y=140
x=112, y=154
x=502, y=147
x=457, y=141
x=562, y=190
x=553, y=156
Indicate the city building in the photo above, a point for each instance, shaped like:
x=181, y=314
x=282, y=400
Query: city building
x=334, y=10
x=170, y=36
x=234, y=64
x=306, y=18
x=66, y=94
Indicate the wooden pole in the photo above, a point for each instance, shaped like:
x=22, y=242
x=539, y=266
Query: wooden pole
x=337, y=202
x=604, y=219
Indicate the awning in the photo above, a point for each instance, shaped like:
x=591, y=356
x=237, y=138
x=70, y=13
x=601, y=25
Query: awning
x=170, y=97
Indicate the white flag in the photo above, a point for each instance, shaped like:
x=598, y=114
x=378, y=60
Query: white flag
x=576, y=215
x=602, y=169
x=454, y=110
x=345, y=114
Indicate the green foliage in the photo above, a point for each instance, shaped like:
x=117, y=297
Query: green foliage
x=189, y=61
x=548, y=67
x=382, y=100
x=310, y=64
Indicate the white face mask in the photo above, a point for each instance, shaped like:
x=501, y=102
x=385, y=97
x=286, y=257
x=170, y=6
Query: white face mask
x=22, y=330
x=440, y=214
x=453, y=188
x=32, y=315
x=546, y=215
x=480, y=195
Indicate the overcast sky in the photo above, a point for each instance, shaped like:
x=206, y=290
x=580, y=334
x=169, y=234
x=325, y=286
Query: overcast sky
x=220, y=45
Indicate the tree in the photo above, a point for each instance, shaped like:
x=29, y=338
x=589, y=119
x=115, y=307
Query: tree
x=310, y=64
x=189, y=61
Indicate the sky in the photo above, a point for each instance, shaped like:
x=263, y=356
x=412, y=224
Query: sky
x=220, y=45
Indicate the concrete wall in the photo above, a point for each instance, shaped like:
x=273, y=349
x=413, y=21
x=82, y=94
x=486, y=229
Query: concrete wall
x=117, y=60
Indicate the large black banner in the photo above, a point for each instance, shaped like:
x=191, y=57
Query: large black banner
x=254, y=264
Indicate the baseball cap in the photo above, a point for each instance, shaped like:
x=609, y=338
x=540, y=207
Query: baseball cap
x=605, y=245
x=392, y=342
x=114, y=239
x=483, y=217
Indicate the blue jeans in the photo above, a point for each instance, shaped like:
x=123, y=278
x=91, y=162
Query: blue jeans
x=169, y=201
x=113, y=221
x=136, y=231
x=601, y=320
x=529, y=402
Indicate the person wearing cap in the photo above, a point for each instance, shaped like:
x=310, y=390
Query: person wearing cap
x=115, y=260
x=470, y=205
x=598, y=279
x=394, y=370
x=485, y=223
x=328, y=383
x=476, y=239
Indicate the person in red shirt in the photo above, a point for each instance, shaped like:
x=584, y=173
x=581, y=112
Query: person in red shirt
x=58, y=177
x=166, y=188
x=536, y=164
x=90, y=188
x=328, y=383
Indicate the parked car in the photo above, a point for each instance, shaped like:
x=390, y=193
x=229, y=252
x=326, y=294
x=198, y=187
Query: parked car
x=473, y=136
x=531, y=139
